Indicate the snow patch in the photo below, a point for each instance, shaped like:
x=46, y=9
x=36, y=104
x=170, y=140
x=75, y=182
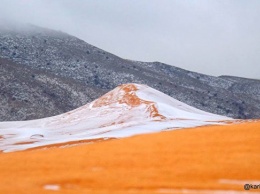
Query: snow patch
x=52, y=187
x=128, y=110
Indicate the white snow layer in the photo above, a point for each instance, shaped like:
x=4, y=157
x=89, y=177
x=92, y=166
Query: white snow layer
x=107, y=117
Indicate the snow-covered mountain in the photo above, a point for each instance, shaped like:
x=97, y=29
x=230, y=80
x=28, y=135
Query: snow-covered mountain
x=45, y=72
x=127, y=110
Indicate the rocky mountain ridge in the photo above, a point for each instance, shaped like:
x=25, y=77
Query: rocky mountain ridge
x=45, y=72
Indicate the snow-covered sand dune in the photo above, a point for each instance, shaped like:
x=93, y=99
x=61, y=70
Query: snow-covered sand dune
x=128, y=110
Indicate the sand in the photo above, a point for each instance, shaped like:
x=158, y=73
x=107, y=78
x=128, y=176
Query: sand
x=199, y=160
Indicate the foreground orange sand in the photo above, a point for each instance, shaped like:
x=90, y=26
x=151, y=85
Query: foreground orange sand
x=198, y=160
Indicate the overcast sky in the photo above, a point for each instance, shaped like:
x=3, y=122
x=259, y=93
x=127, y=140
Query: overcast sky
x=216, y=37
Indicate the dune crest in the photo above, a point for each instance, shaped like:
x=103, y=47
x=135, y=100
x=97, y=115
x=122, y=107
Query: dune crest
x=126, y=94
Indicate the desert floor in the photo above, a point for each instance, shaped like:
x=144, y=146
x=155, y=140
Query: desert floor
x=200, y=160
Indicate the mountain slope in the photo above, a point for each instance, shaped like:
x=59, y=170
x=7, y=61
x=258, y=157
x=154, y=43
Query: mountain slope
x=128, y=110
x=28, y=93
x=75, y=63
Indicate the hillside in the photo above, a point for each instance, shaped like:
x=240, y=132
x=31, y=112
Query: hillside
x=45, y=72
x=128, y=110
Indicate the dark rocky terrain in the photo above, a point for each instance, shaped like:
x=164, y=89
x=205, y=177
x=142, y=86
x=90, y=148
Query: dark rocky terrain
x=45, y=73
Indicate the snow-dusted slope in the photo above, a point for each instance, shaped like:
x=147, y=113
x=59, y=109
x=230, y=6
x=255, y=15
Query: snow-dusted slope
x=129, y=109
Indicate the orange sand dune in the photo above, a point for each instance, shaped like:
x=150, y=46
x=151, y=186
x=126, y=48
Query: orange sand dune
x=200, y=160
